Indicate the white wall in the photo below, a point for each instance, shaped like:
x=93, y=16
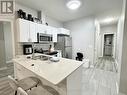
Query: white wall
x=49, y=20
x=26, y=9
x=97, y=41
x=82, y=32
x=53, y=22
x=115, y=14
x=123, y=54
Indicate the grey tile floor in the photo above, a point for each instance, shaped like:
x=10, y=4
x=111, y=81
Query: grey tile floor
x=99, y=82
x=106, y=63
x=102, y=79
x=9, y=70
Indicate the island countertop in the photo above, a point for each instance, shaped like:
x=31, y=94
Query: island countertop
x=53, y=72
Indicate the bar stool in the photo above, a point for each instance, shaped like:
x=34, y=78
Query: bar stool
x=28, y=83
x=37, y=91
x=44, y=89
x=25, y=84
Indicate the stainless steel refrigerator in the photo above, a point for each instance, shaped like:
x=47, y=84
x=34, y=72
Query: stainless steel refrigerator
x=64, y=43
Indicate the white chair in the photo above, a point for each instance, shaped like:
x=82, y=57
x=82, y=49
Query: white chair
x=26, y=83
x=35, y=91
x=20, y=91
x=39, y=90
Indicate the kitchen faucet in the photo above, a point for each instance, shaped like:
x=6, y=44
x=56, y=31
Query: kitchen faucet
x=33, y=54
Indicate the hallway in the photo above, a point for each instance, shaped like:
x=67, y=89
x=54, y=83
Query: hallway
x=106, y=63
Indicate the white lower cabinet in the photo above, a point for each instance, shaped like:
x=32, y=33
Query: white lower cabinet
x=20, y=72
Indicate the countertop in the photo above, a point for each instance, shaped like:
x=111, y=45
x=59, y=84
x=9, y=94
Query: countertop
x=53, y=72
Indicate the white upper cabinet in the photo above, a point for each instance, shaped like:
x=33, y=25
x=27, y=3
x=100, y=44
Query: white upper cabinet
x=63, y=31
x=23, y=30
x=53, y=32
x=49, y=30
x=33, y=32
x=41, y=28
x=27, y=31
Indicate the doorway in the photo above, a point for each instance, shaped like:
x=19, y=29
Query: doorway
x=6, y=49
x=108, y=45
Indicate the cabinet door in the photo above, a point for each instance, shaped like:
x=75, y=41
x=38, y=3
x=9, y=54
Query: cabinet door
x=23, y=30
x=41, y=28
x=33, y=32
x=63, y=31
x=21, y=72
x=52, y=31
x=49, y=30
x=67, y=32
x=54, y=35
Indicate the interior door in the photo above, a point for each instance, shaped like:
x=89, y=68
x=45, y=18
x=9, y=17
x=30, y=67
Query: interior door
x=108, y=45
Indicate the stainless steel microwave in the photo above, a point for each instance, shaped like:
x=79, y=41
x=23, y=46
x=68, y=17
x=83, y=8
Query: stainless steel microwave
x=44, y=38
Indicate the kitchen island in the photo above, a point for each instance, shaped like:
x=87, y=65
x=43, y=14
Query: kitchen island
x=64, y=76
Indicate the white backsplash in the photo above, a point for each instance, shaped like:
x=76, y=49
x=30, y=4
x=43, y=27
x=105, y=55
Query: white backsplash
x=19, y=47
x=43, y=46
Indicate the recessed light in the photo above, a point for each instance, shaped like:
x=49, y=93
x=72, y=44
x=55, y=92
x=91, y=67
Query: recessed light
x=73, y=4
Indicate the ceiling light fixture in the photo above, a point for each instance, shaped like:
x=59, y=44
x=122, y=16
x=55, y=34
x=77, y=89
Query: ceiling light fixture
x=108, y=20
x=73, y=4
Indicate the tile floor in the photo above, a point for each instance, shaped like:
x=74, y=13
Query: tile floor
x=9, y=70
x=106, y=63
x=99, y=82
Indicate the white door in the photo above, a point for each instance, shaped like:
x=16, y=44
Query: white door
x=23, y=29
x=49, y=30
x=52, y=31
x=33, y=32
x=54, y=35
x=41, y=28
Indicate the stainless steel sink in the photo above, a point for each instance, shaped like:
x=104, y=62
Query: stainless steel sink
x=41, y=57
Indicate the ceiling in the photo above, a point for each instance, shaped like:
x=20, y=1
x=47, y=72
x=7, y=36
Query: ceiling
x=57, y=8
